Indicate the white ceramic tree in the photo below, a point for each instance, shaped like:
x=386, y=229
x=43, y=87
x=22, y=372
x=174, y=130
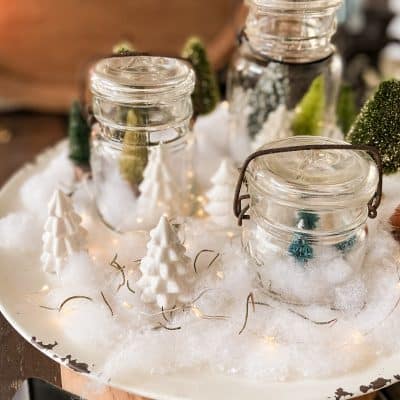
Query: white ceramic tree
x=159, y=193
x=167, y=275
x=220, y=196
x=63, y=233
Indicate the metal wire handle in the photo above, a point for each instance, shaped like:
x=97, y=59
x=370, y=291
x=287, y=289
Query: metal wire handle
x=373, y=204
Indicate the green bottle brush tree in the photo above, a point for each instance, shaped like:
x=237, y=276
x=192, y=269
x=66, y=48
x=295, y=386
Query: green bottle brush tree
x=309, y=113
x=378, y=124
x=78, y=134
x=134, y=156
x=346, y=110
x=206, y=93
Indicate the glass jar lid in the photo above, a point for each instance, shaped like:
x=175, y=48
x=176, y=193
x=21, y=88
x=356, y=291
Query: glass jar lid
x=149, y=79
x=319, y=179
x=294, y=5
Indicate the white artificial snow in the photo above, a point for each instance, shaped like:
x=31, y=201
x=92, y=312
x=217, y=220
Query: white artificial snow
x=36, y=191
x=342, y=320
x=277, y=126
x=20, y=231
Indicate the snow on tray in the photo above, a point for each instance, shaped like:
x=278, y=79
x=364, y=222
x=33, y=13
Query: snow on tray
x=281, y=340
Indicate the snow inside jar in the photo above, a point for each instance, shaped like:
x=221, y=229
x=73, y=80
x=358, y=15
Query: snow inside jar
x=308, y=203
x=141, y=155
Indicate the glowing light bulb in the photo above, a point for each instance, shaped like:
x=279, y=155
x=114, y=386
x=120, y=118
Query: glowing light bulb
x=196, y=312
x=127, y=305
x=357, y=338
x=220, y=274
x=271, y=342
x=200, y=213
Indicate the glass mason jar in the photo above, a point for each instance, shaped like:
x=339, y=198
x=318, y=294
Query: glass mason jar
x=141, y=156
x=308, y=207
x=285, y=63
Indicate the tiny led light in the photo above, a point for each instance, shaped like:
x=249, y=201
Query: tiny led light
x=196, y=312
x=271, y=341
x=200, y=213
x=357, y=337
x=44, y=288
x=127, y=305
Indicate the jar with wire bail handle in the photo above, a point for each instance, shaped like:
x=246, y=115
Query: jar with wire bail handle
x=308, y=201
x=142, y=151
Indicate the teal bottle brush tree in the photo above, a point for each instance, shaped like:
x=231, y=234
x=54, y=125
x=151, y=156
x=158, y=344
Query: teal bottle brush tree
x=206, y=93
x=300, y=248
x=378, y=124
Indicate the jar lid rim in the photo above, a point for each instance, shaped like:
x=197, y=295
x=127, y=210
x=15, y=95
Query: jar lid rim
x=142, y=78
x=323, y=178
x=295, y=5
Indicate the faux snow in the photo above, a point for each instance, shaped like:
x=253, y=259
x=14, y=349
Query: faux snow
x=358, y=322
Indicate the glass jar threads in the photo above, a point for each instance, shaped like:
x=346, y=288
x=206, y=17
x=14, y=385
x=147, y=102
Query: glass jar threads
x=309, y=199
x=141, y=156
x=285, y=76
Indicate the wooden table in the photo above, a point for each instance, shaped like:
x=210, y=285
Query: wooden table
x=32, y=133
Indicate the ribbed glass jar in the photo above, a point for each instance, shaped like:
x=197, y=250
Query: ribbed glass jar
x=310, y=207
x=285, y=63
x=141, y=156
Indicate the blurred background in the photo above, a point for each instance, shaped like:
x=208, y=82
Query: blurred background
x=46, y=45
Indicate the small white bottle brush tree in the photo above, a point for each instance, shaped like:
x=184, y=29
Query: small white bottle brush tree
x=220, y=196
x=63, y=234
x=167, y=274
x=159, y=192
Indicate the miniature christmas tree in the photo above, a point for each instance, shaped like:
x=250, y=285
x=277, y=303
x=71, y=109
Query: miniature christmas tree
x=378, y=124
x=345, y=246
x=346, y=108
x=220, y=196
x=63, y=233
x=78, y=132
x=167, y=274
x=159, y=193
x=206, y=94
x=300, y=248
x=307, y=220
x=134, y=154
x=270, y=91
x=123, y=47
x=309, y=113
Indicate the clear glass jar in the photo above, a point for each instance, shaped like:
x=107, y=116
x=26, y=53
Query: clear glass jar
x=141, y=156
x=308, y=208
x=285, y=53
